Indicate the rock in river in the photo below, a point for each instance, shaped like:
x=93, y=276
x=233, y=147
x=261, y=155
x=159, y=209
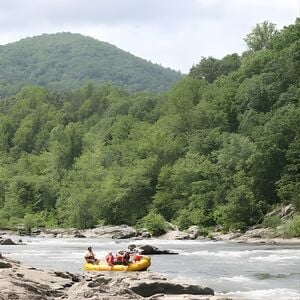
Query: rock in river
x=148, y=250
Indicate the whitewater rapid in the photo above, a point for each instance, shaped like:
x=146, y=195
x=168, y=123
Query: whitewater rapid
x=252, y=272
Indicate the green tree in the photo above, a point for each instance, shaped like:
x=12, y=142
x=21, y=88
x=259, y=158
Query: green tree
x=288, y=186
x=210, y=68
x=66, y=144
x=155, y=223
x=260, y=36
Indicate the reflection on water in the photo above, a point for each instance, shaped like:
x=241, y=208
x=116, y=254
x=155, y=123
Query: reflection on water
x=247, y=271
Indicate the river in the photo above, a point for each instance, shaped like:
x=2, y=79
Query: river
x=246, y=271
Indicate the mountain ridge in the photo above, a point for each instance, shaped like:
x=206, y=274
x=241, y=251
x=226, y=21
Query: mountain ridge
x=65, y=61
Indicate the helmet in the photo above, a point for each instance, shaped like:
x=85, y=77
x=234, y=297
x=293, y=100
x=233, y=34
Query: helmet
x=90, y=248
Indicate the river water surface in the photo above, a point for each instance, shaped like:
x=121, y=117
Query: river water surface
x=252, y=272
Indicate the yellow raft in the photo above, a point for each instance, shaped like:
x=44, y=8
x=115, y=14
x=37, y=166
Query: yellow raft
x=141, y=265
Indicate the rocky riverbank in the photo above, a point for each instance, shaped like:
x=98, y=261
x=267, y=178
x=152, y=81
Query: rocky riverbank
x=20, y=282
x=256, y=234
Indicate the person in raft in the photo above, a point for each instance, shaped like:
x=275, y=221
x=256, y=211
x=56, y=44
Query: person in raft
x=110, y=258
x=122, y=258
x=137, y=256
x=90, y=257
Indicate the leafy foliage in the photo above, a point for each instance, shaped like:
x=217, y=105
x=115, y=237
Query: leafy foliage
x=210, y=68
x=260, y=36
x=155, y=223
x=272, y=221
x=67, y=61
x=221, y=147
x=292, y=227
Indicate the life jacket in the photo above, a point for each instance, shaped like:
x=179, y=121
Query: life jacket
x=137, y=257
x=120, y=258
x=110, y=259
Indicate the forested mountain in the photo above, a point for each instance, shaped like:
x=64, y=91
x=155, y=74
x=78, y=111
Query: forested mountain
x=66, y=61
x=222, y=147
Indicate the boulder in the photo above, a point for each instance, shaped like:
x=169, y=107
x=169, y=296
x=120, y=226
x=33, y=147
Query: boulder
x=23, y=283
x=148, y=250
x=285, y=212
x=79, y=235
x=193, y=231
x=149, y=288
x=115, y=232
x=144, y=233
x=288, y=211
x=35, y=231
x=175, y=235
x=235, y=235
x=123, y=235
x=260, y=233
x=172, y=227
x=7, y=242
x=134, y=285
x=5, y=265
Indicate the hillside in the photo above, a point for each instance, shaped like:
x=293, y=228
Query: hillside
x=67, y=61
x=220, y=148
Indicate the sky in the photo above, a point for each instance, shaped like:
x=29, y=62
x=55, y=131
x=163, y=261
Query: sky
x=172, y=33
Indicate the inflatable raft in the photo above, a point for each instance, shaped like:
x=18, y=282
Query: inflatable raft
x=141, y=265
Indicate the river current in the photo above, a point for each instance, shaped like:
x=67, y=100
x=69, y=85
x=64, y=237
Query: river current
x=246, y=271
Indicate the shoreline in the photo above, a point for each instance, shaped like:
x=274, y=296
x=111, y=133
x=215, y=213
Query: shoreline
x=124, y=232
x=273, y=241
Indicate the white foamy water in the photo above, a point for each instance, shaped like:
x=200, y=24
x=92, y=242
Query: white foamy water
x=235, y=279
x=218, y=253
x=274, y=294
x=275, y=258
x=252, y=254
x=250, y=272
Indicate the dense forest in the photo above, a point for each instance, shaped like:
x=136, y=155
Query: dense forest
x=66, y=61
x=220, y=148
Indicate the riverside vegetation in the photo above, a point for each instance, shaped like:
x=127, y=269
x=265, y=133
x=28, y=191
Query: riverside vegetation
x=220, y=148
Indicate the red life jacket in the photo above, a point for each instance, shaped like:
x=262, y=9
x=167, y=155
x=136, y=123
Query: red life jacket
x=110, y=259
x=137, y=257
x=120, y=258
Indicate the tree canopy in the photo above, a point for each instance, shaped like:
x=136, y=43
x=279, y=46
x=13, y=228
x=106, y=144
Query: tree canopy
x=221, y=147
x=66, y=61
x=261, y=35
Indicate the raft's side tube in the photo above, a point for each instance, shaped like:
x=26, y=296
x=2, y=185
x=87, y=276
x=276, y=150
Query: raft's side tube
x=141, y=265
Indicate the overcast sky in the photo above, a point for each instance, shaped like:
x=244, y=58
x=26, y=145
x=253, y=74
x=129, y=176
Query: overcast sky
x=173, y=33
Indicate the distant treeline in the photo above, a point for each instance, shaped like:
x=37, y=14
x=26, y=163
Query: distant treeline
x=220, y=148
